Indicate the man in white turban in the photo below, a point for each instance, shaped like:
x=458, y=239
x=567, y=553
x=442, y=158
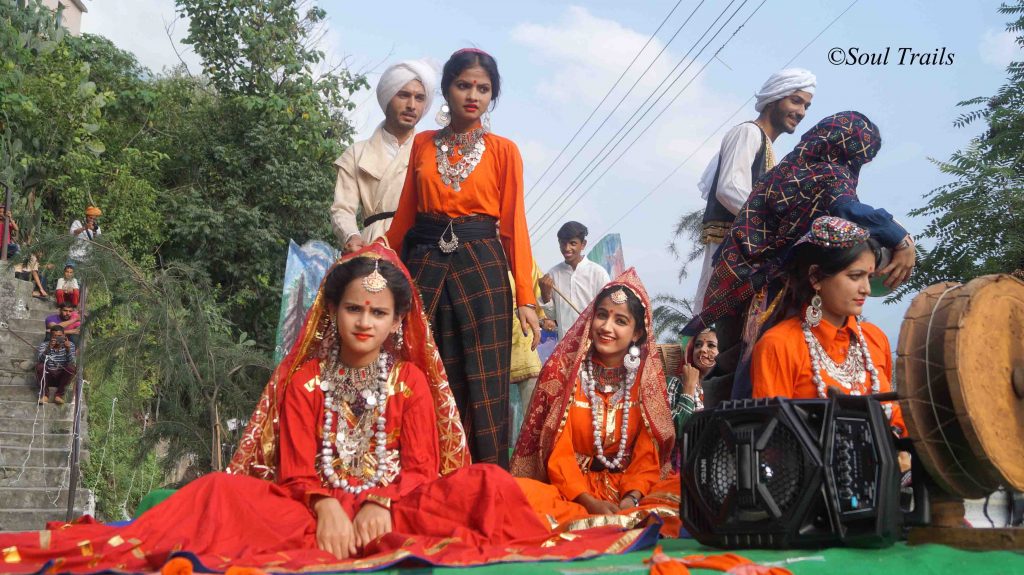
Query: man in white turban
x=371, y=172
x=746, y=154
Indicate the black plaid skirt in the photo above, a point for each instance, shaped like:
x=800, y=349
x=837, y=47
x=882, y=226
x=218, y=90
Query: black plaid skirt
x=467, y=297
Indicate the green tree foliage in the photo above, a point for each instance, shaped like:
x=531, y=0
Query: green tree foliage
x=202, y=178
x=261, y=169
x=670, y=315
x=688, y=228
x=978, y=219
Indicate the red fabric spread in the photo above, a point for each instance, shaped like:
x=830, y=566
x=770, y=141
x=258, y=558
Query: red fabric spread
x=476, y=515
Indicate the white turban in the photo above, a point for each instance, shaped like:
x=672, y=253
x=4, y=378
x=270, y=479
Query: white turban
x=400, y=74
x=782, y=84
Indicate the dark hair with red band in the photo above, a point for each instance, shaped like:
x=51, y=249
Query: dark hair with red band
x=467, y=58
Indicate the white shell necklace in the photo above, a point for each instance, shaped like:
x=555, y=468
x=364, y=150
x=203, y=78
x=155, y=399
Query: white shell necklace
x=850, y=372
x=350, y=444
x=597, y=410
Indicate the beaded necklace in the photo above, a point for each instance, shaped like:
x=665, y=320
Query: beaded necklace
x=621, y=396
x=365, y=392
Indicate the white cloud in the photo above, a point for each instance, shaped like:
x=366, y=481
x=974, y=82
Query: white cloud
x=141, y=27
x=581, y=55
x=590, y=53
x=999, y=48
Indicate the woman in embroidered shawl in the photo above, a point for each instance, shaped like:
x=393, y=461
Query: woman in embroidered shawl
x=359, y=437
x=819, y=177
x=594, y=448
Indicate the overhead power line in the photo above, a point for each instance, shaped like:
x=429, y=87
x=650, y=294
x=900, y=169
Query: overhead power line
x=536, y=183
x=719, y=128
x=551, y=218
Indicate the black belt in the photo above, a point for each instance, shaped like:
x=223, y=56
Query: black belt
x=376, y=218
x=445, y=233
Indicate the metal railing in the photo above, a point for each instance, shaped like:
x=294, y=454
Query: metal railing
x=5, y=227
x=76, y=429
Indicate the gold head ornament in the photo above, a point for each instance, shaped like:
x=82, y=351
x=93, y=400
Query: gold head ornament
x=618, y=296
x=375, y=282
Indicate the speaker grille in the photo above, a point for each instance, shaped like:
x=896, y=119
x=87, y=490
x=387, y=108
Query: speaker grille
x=781, y=467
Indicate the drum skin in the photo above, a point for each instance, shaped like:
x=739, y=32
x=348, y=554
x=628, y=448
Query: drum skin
x=958, y=349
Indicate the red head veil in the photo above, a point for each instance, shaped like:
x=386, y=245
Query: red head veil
x=257, y=453
x=549, y=407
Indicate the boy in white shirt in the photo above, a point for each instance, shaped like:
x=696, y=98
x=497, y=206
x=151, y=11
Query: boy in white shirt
x=576, y=278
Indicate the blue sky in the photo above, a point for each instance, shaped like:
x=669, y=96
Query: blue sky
x=558, y=59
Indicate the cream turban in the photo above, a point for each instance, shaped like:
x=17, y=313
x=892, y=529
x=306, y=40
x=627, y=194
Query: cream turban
x=784, y=83
x=400, y=74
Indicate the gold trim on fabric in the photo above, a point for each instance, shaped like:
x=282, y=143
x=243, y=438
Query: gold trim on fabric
x=115, y=541
x=85, y=547
x=441, y=545
x=714, y=232
x=11, y=555
x=45, y=539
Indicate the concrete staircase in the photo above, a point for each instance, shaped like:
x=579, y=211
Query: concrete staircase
x=35, y=440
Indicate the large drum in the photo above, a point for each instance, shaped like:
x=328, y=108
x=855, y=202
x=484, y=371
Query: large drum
x=960, y=377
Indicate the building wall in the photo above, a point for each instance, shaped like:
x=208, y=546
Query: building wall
x=71, y=16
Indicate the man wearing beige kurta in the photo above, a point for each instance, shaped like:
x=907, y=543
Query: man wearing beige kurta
x=371, y=172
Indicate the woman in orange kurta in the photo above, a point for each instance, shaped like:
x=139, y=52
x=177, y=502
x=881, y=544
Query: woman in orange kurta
x=828, y=346
x=353, y=459
x=463, y=184
x=595, y=445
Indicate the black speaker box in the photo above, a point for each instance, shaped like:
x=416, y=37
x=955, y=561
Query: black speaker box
x=778, y=473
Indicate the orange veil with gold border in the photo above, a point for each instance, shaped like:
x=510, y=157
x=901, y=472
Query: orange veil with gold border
x=257, y=452
x=549, y=407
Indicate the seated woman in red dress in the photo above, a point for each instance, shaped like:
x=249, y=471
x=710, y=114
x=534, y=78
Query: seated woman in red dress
x=827, y=346
x=355, y=450
x=595, y=445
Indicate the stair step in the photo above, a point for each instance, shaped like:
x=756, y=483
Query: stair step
x=28, y=325
x=35, y=497
x=30, y=410
x=16, y=378
x=38, y=456
x=23, y=363
x=45, y=426
x=31, y=476
x=46, y=440
x=18, y=392
x=15, y=342
x=33, y=519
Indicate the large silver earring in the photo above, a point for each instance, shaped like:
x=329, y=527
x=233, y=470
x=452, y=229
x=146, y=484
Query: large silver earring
x=813, y=314
x=486, y=121
x=444, y=116
x=632, y=359
x=399, y=339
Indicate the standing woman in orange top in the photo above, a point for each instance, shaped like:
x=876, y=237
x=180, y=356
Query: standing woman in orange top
x=462, y=182
x=826, y=344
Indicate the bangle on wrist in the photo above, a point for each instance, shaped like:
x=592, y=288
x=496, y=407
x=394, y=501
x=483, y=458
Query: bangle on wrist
x=636, y=500
x=384, y=502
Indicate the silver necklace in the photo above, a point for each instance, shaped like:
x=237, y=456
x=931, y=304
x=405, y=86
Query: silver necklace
x=470, y=145
x=621, y=397
x=850, y=373
x=350, y=388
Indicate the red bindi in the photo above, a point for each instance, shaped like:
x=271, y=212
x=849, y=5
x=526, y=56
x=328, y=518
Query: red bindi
x=366, y=303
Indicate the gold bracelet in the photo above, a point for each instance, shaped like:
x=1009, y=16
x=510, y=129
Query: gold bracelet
x=378, y=500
